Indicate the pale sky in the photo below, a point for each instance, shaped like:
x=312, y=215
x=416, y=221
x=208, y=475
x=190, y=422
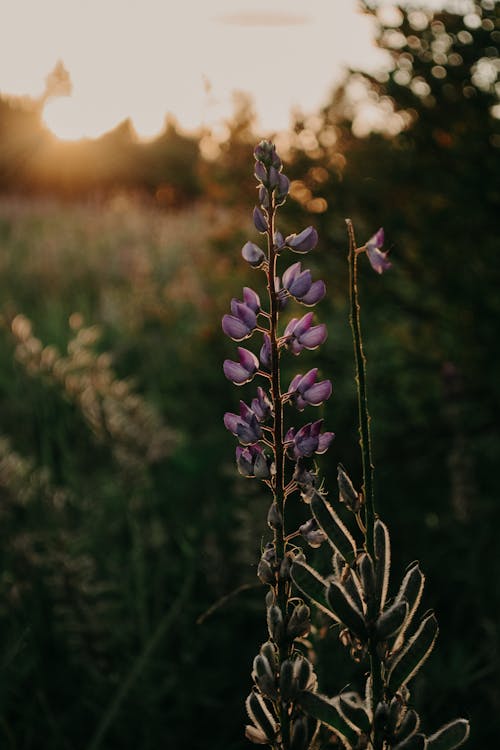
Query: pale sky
x=144, y=58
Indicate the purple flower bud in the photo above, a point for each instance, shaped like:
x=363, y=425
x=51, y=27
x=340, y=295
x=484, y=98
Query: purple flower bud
x=282, y=188
x=304, y=241
x=274, y=178
x=253, y=254
x=245, y=426
x=306, y=392
x=252, y=462
x=279, y=242
x=265, y=352
x=312, y=533
x=264, y=197
x=377, y=258
x=259, y=220
x=308, y=440
x=261, y=172
x=261, y=405
x=300, y=334
x=251, y=299
x=243, y=371
x=297, y=282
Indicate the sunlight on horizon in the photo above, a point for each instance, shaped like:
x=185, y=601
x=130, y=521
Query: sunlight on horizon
x=144, y=61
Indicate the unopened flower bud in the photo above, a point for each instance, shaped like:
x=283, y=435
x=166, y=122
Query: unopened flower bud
x=259, y=220
x=275, y=623
x=304, y=241
x=299, y=623
x=284, y=572
x=264, y=197
x=261, y=172
x=347, y=493
x=288, y=681
x=253, y=254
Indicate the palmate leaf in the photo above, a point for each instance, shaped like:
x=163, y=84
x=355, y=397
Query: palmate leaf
x=261, y=716
x=345, y=609
x=409, y=660
x=382, y=543
x=312, y=585
x=415, y=742
x=326, y=711
x=338, y=535
x=450, y=736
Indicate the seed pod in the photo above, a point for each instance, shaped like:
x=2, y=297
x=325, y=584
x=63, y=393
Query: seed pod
x=288, y=682
x=382, y=545
x=395, y=710
x=265, y=572
x=345, y=609
x=381, y=716
x=284, y=572
x=299, y=739
x=391, y=620
x=275, y=623
x=274, y=517
x=268, y=650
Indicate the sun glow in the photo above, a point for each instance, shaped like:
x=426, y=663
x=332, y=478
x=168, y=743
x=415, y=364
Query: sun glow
x=145, y=60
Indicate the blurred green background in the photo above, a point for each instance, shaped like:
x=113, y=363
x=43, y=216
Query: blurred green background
x=122, y=517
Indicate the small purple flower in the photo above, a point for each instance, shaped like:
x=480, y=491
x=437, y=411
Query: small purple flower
x=304, y=241
x=253, y=254
x=308, y=440
x=245, y=426
x=265, y=151
x=282, y=188
x=312, y=533
x=261, y=172
x=252, y=462
x=300, y=334
x=301, y=286
x=265, y=352
x=259, y=220
x=377, y=258
x=279, y=241
x=261, y=405
x=243, y=371
x=305, y=391
x=243, y=320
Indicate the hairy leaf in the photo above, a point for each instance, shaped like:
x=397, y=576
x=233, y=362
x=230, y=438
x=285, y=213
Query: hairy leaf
x=382, y=543
x=410, y=590
x=327, y=712
x=450, y=736
x=338, y=535
x=312, y=585
x=409, y=660
x=260, y=714
x=345, y=609
x=353, y=709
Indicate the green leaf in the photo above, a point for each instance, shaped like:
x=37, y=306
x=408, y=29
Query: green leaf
x=411, y=590
x=345, y=609
x=338, y=535
x=352, y=708
x=409, y=660
x=415, y=742
x=326, y=711
x=382, y=544
x=312, y=585
x=260, y=714
x=450, y=736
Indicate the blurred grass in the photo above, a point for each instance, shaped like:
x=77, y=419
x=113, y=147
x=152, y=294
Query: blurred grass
x=110, y=323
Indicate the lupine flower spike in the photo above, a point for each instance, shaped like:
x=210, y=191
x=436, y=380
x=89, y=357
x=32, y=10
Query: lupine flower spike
x=285, y=709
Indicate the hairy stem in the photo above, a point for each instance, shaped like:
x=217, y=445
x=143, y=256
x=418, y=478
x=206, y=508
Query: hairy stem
x=279, y=480
x=365, y=445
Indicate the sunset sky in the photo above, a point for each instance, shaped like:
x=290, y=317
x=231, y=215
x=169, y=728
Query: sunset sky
x=144, y=58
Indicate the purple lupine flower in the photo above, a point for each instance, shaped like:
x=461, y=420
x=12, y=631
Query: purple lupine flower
x=304, y=241
x=266, y=153
x=264, y=196
x=282, y=188
x=252, y=462
x=308, y=440
x=259, y=220
x=243, y=320
x=305, y=391
x=265, y=352
x=301, y=286
x=377, y=258
x=300, y=334
x=243, y=371
x=312, y=533
x=261, y=172
x=253, y=254
x=245, y=426
x=279, y=241
x=261, y=405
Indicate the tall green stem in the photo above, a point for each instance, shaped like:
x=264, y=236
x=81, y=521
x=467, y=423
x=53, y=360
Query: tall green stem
x=366, y=447
x=279, y=480
x=364, y=416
